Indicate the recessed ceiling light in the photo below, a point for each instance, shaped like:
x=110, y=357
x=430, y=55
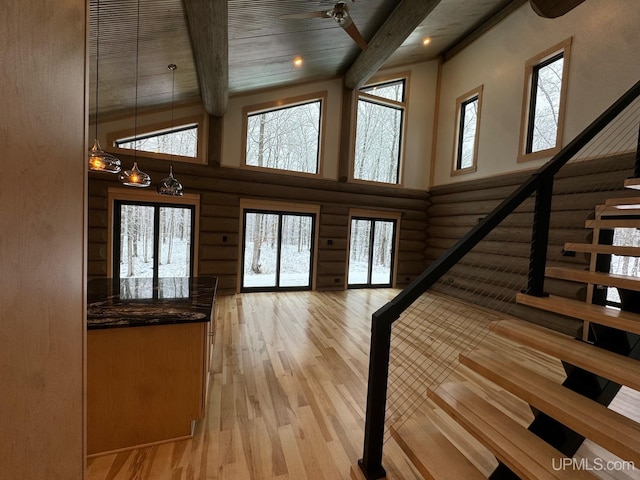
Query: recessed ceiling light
x=426, y=41
x=297, y=61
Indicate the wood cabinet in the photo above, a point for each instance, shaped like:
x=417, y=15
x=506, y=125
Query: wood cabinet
x=145, y=384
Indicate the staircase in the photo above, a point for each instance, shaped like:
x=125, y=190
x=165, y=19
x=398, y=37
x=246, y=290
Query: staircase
x=596, y=366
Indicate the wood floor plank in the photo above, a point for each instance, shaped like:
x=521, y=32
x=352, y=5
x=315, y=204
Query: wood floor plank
x=287, y=388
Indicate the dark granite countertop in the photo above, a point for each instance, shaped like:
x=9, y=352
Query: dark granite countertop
x=138, y=302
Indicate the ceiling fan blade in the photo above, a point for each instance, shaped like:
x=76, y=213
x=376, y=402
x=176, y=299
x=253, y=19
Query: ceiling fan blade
x=318, y=14
x=354, y=33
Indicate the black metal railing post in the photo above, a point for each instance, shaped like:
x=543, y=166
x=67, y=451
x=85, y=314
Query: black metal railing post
x=540, y=237
x=371, y=462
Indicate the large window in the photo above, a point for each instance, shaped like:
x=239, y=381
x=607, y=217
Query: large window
x=152, y=240
x=379, y=132
x=543, y=109
x=467, y=128
x=277, y=250
x=371, y=252
x=284, y=137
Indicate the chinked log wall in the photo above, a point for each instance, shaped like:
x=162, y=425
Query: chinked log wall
x=220, y=192
x=455, y=208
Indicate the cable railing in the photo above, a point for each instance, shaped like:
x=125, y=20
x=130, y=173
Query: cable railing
x=417, y=337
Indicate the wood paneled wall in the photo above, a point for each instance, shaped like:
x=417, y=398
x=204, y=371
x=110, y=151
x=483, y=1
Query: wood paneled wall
x=220, y=192
x=504, y=255
x=43, y=205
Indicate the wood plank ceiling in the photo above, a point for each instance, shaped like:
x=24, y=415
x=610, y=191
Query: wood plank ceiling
x=261, y=44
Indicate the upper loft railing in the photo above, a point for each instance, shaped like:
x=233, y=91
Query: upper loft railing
x=541, y=185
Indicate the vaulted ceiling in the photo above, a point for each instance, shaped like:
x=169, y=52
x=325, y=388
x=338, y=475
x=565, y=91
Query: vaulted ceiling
x=232, y=47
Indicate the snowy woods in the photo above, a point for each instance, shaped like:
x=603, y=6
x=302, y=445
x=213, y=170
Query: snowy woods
x=286, y=138
x=138, y=245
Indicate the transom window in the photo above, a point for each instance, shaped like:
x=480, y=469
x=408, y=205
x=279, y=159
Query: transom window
x=379, y=132
x=467, y=128
x=545, y=94
x=284, y=137
x=181, y=141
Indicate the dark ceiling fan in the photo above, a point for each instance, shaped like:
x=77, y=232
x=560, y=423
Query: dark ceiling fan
x=340, y=13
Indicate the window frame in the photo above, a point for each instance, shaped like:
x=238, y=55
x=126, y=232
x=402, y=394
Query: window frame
x=280, y=105
x=403, y=106
x=281, y=207
x=461, y=102
x=528, y=107
x=119, y=194
x=162, y=128
x=370, y=214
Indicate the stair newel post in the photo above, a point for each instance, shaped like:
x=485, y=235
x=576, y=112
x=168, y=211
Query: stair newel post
x=540, y=236
x=371, y=462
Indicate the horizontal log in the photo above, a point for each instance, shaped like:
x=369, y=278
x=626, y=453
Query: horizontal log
x=223, y=225
x=219, y=238
x=220, y=211
x=333, y=231
x=333, y=219
x=97, y=234
x=208, y=252
x=332, y=268
x=218, y=268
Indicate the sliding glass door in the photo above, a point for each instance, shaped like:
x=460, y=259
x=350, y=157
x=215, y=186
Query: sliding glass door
x=277, y=250
x=371, y=252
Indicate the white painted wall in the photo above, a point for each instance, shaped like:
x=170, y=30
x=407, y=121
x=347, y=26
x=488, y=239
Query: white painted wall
x=419, y=125
x=604, y=63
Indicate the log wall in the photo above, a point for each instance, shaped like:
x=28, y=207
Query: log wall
x=503, y=257
x=220, y=192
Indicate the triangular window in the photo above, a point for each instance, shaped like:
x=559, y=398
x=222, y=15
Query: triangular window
x=180, y=141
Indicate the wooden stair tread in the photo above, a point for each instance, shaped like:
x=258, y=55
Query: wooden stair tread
x=615, y=367
x=597, y=278
x=611, y=317
x=611, y=223
x=526, y=454
x=622, y=201
x=432, y=453
x=604, y=249
x=611, y=430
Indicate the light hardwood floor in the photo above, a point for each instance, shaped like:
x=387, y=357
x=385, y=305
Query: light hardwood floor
x=287, y=396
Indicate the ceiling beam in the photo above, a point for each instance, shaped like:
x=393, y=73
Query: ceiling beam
x=401, y=23
x=553, y=8
x=208, y=27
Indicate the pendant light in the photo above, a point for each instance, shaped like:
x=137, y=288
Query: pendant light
x=169, y=185
x=135, y=177
x=99, y=160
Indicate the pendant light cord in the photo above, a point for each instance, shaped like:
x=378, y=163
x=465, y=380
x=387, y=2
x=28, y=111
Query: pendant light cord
x=173, y=67
x=135, y=118
x=97, y=64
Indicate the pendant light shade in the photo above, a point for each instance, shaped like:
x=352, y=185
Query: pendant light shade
x=99, y=160
x=169, y=185
x=135, y=177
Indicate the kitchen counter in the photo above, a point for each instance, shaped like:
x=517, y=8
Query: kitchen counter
x=148, y=360
x=138, y=302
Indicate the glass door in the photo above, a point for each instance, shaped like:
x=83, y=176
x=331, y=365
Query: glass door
x=371, y=252
x=277, y=251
